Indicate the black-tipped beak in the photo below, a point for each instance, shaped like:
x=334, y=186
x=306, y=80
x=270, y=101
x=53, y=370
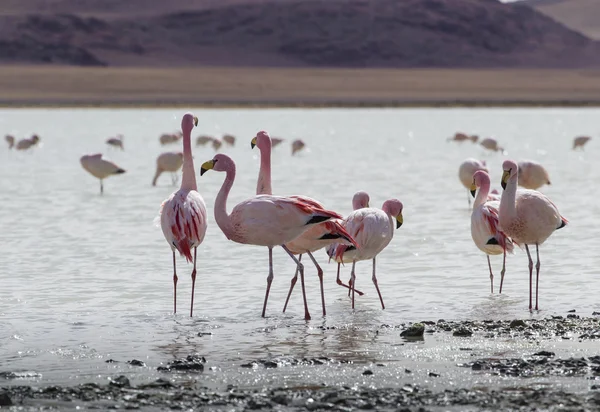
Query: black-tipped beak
x=473, y=192
x=398, y=224
x=252, y=145
x=503, y=184
x=203, y=170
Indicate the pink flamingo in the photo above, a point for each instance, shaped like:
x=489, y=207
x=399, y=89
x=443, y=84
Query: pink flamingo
x=25, y=144
x=297, y=145
x=100, y=168
x=580, y=141
x=373, y=229
x=277, y=141
x=484, y=225
x=314, y=238
x=168, y=162
x=265, y=220
x=528, y=217
x=461, y=137
x=203, y=140
x=229, y=139
x=167, y=138
x=532, y=175
x=116, y=141
x=491, y=144
x=10, y=140
x=183, y=214
x=466, y=170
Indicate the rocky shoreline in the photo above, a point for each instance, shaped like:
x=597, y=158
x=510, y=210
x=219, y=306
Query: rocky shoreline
x=170, y=392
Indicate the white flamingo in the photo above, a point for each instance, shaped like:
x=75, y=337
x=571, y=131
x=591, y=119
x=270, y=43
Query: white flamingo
x=99, y=167
x=168, y=162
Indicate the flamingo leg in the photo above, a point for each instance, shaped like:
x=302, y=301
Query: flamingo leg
x=193, y=283
x=269, y=280
x=503, y=270
x=339, y=282
x=491, y=274
x=101, y=187
x=174, y=285
x=530, y=273
x=301, y=270
x=374, y=278
x=352, y=280
x=292, y=284
x=320, y=275
x=469, y=198
x=537, y=275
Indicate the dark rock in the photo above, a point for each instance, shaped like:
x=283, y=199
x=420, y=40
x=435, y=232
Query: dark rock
x=111, y=361
x=192, y=363
x=413, y=331
x=544, y=353
x=462, y=331
x=368, y=372
x=517, y=323
x=204, y=333
x=572, y=316
x=433, y=374
x=595, y=313
x=270, y=364
x=5, y=399
x=120, y=382
x=571, y=311
x=136, y=362
x=252, y=364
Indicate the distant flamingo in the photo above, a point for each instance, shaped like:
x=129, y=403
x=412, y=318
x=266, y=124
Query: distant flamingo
x=216, y=144
x=484, y=225
x=25, y=144
x=528, y=218
x=168, y=162
x=170, y=138
x=276, y=141
x=265, y=220
x=10, y=140
x=229, y=139
x=373, y=229
x=297, y=145
x=313, y=239
x=461, y=137
x=100, y=168
x=491, y=144
x=203, y=140
x=580, y=141
x=183, y=214
x=466, y=171
x=532, y=175
x=116, y=141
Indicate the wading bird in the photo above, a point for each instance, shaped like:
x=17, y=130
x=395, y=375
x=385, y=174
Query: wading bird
x=100, y=168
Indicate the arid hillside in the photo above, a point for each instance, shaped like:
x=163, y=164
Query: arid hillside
x=289, y=33
x=580, y=15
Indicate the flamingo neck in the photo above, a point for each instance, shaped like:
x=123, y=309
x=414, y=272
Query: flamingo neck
x=482, y=194
x=188, y=180
x=263, y=186
x=508, y=211
x=221, y=216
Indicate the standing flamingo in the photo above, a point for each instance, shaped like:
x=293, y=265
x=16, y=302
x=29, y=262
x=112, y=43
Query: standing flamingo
x=25, y=144
x=100, y=168
x=229, y=139
x=580, y=141
x=314, y=238
x=491, y=144
x=373, y=229
x=297, y=145
x=168, y=162
x=116, y=141
x=203, y=140
x=484, y=225
x=528, y=217
x=167, y=138
x=10, y=139
x=265, y=220
x=183, y=214
x=461, y=137
x=532, y=175
x=466, y=170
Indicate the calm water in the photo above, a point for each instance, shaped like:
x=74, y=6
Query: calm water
x=87, y=277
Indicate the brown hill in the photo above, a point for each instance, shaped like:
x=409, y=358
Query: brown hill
x=580, y=15
x=289, y=33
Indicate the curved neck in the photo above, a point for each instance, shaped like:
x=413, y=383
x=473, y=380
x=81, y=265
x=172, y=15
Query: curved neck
x=507, y=201
x=482, y=194
x=263, y=186
x=221, y=216
x=188, y=180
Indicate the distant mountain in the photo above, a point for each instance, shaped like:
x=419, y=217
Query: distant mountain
x=580, y=15
x=289, y=33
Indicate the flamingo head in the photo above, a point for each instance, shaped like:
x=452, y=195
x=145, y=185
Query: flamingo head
x=510, y=172
x=220, y=163
x=262, y=140
x=480, y=178
x=360, y=200
x=393, y=207
x=188, y=121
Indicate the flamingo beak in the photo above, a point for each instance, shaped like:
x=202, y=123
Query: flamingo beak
x=253, y=143
x=399, y=221
x=473, y=189
x=195, y=121
x=505, y=176
x=206, y=166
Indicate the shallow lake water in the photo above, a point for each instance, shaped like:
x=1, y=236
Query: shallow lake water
x=86, y=278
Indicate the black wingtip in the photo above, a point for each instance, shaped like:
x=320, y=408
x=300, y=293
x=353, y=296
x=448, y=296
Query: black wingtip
x=317, y=219
x=330, y=236
x=562, y=224
x=119, y=171
x=492, y=241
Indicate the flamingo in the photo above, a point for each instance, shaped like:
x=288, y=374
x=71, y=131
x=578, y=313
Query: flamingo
x=229, y=139
x=528, y=217
x=99, y=167
x=373, y=229
x=297, y=145
x=183, y=214
x=167, y=138
x=116, y=141
x=216, y=144
x=203, y=140
x=466, y=171
x=491, y=144
x=461, y=137
x=484, y=225
x=10, y=140
x=265, y=220
x=168, y=162
x=276, y=141
x=314, y=238
x=532, y=175
x=25, y=144
x=580, y=141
